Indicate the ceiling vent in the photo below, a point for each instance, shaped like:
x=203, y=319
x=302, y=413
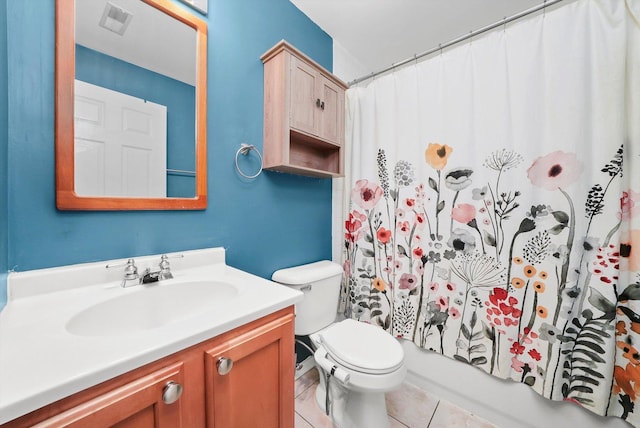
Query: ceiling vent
x=114, y=18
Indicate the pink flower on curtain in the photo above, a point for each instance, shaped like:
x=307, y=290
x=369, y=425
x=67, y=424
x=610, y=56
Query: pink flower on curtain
x=454, y=313
x=404, y=228
x=366, y=194
x=463, y=213
x=555, y=170
x=408, y=281
x=517, y=365
x=629, y=207
x=346, y=267
x=442, y=303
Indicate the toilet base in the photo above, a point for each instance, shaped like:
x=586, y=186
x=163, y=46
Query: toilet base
x=352, y=408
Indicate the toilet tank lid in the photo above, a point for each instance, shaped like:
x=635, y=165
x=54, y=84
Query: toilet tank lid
x=305, y=274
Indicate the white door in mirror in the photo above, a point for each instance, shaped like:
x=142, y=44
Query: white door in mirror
x=120, y=144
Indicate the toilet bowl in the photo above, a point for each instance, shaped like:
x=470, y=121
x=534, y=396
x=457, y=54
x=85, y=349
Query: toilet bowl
x=358, y=362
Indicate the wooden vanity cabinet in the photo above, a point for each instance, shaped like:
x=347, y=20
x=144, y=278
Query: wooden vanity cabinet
x=257, y=391
x=303, y=115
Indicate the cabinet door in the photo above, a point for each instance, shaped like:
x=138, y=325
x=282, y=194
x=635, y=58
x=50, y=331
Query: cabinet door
x=258, y=390
x=303, y=111
x=136, y=404
x=331, y=111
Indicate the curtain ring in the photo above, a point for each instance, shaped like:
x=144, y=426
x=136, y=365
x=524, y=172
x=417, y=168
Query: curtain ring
x=245, y=149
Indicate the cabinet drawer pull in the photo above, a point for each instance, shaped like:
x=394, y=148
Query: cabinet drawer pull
x=224, y=365
x=171, y=392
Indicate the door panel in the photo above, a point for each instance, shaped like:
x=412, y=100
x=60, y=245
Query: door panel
x=303, y=110
x=263, y=363
x=330, y=118
x=132, y=134
x=137, y=404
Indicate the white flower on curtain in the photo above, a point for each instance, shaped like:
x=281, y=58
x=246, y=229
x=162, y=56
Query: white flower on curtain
x=513, y=247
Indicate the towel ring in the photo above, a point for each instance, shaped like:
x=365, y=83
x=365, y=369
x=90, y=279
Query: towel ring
x=245, y=149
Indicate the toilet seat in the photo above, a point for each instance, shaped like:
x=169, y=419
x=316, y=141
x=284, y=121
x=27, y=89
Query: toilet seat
x=362, y=347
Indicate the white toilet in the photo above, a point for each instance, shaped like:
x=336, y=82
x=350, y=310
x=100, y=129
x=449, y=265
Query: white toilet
x=359, y=361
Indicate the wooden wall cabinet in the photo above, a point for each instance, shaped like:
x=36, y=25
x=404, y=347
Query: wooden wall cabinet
x=303, y=115
x=257, y=391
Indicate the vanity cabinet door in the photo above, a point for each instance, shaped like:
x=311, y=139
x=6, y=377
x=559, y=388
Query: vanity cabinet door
x=257, y=390
x=136, y=404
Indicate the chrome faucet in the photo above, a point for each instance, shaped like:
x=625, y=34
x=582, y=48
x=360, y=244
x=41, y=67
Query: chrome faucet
x=147, y=277
x=162, y=274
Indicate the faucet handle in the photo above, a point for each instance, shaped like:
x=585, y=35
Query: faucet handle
x=164, y=262
x=165, y=266
x=130, y=268
x=130, y=271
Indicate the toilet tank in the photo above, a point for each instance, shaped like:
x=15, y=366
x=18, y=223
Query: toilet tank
x=320, y=283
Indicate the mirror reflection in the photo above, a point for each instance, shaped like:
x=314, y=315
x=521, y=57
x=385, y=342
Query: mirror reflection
x=134, y=102
x=141, y=169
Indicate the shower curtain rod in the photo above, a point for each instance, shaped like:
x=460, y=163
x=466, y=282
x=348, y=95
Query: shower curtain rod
x=452, y=42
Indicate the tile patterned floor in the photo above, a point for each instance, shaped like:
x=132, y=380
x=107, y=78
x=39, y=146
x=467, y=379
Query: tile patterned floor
x=407, y=406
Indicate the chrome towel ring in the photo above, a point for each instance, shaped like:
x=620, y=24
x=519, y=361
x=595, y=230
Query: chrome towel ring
x=245, y=149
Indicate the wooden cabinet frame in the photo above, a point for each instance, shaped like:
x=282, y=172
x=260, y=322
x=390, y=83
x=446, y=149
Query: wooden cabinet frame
x=303, y=115
x=134, y=399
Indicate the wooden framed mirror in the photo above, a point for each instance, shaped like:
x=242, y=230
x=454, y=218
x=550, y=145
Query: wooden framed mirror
x=118, y=147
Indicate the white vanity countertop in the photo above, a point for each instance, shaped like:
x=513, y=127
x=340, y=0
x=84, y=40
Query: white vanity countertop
x=41, y=362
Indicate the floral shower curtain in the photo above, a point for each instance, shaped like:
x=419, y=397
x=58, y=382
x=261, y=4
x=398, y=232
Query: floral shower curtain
x=495, y=204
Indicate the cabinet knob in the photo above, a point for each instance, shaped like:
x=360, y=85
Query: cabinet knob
x=171, y=392
x=322, y=105
x=318, y=102
x=224, y=365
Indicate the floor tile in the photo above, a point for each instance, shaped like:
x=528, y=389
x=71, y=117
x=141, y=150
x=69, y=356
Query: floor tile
x=301, y=423
x=411, y=405
x=447, y=415
x=394, y=423
x=307, y=408
x=306, y=380
x=311, y=413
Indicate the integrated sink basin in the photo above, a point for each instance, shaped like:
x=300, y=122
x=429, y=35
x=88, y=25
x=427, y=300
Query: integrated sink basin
x=146, y=307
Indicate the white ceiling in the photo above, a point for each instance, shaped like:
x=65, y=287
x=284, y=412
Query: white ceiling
x=153, y=40
x=379, y=33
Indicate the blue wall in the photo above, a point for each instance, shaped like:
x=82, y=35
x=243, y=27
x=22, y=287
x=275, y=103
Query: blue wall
x=179, y=98
x=3, y=154
x=274, y=221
